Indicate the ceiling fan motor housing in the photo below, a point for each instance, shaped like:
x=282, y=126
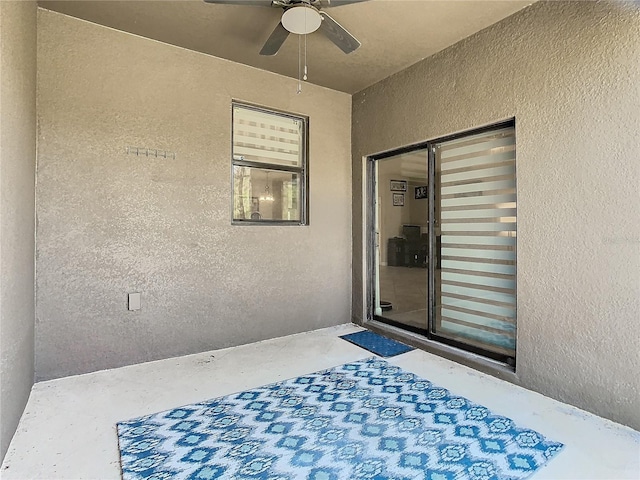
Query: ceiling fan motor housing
x=301, y=19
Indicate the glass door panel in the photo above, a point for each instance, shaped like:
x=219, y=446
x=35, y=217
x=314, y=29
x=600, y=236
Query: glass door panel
x=401, y=225
x=475, y=228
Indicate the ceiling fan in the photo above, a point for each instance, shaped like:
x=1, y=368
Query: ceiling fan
x=302, y=17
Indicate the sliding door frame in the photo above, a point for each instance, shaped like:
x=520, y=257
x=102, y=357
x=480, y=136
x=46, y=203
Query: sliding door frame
x=371, y=248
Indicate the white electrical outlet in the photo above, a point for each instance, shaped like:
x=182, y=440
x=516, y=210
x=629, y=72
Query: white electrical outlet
x=134, y=301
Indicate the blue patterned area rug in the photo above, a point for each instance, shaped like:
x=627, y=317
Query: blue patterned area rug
x=362, y=420
x=383, y=346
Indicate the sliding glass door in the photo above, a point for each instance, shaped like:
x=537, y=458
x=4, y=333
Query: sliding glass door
x=475, y=219
x=443, y=240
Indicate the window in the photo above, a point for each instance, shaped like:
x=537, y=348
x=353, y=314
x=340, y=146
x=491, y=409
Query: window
x=269, y=166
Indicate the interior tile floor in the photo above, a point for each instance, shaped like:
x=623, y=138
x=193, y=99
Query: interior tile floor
x=68, y=427
x=406, y=289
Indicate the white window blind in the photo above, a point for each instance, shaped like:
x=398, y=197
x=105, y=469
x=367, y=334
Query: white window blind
x=476, y=212
x=264, y=137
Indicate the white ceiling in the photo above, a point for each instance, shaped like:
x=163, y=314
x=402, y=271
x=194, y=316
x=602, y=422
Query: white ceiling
x=394, y=33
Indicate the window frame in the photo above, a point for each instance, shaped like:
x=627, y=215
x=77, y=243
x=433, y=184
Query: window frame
x=301, y=171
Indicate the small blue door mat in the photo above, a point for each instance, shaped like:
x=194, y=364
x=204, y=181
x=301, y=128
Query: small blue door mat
x=383, y=346
x=362, y=420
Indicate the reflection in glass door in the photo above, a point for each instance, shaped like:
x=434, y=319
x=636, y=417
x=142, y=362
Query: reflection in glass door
x=402, y=237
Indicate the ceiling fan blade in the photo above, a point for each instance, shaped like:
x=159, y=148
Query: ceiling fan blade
x=338, y=35
x=255, y=3
x=275, y=40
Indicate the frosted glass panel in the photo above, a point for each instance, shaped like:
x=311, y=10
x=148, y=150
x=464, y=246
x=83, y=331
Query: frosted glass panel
x=476, y=220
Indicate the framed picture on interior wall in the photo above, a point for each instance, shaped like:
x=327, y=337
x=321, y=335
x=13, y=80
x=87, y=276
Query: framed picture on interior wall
x=421, y=192
x=398, y=199
x=398, y=185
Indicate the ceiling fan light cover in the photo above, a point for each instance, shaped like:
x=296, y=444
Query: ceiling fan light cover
x=301, y=20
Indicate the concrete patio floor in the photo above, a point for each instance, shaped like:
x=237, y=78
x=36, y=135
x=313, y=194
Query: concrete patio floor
x=68, y=427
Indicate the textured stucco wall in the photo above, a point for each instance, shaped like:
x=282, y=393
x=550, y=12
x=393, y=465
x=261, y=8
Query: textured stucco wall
x=109, y=223
x=570, y=73
x=17, y=175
